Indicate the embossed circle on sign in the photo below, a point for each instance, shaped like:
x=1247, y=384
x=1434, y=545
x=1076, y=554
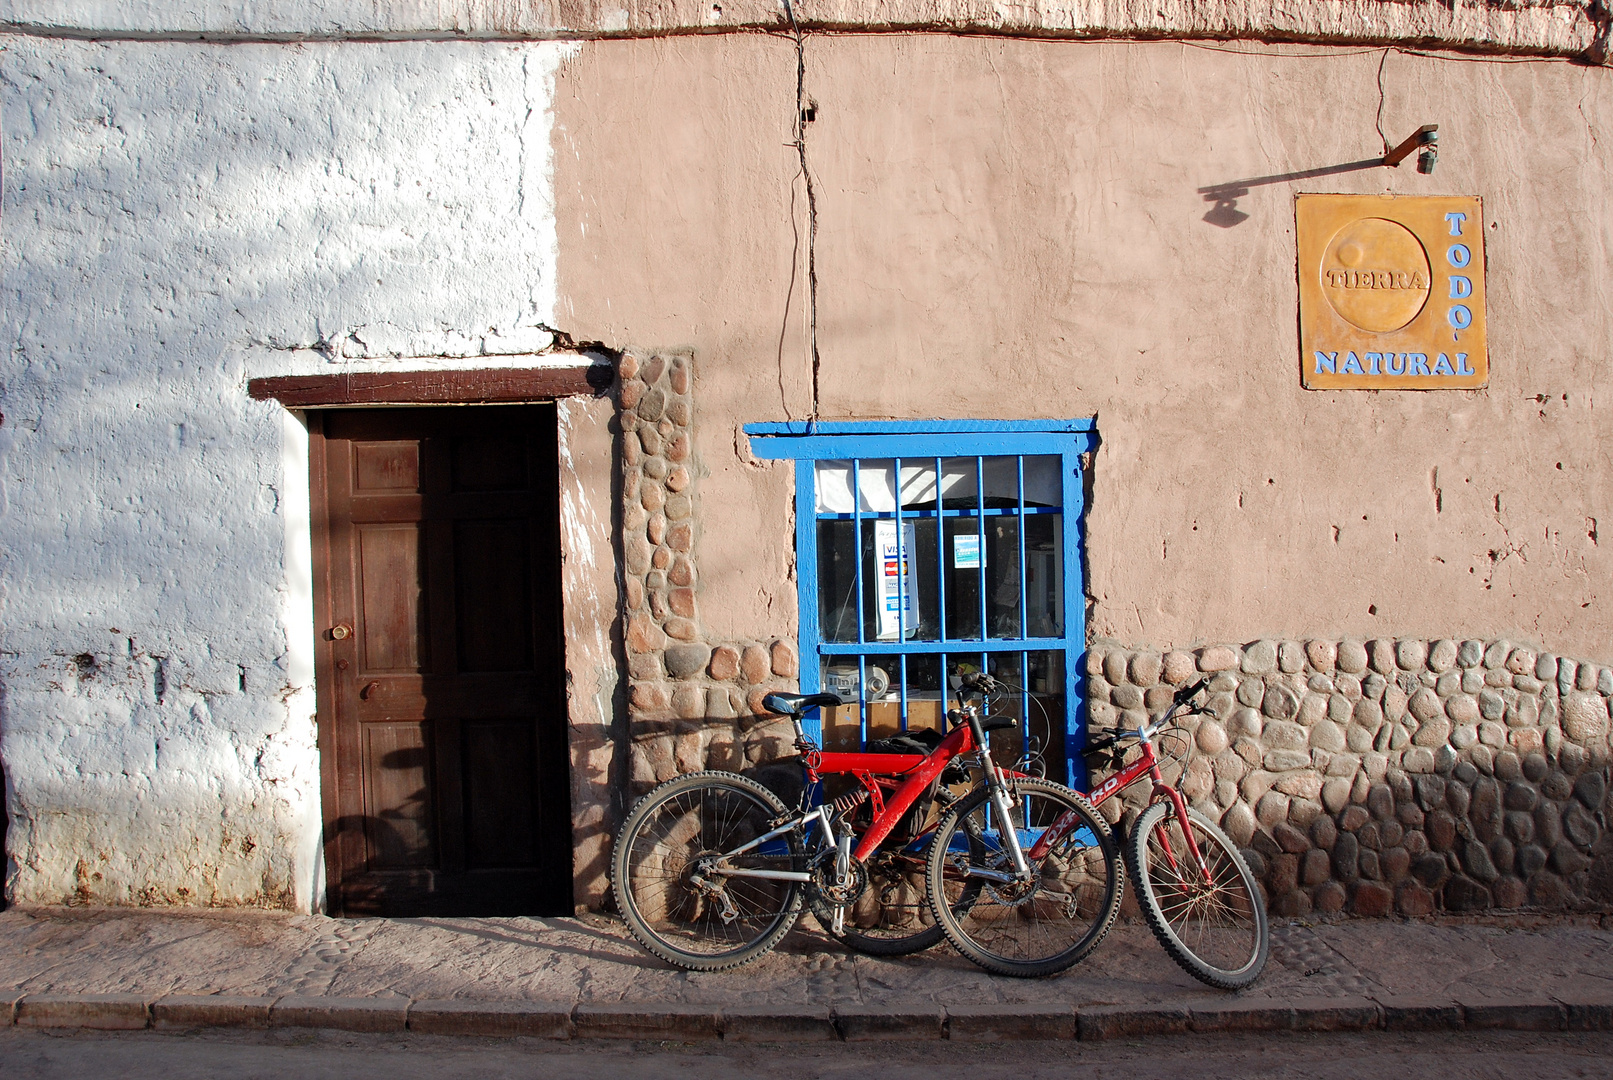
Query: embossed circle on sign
x=1375, y=275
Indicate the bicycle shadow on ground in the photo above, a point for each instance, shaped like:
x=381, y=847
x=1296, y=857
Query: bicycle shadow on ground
x=626, y=951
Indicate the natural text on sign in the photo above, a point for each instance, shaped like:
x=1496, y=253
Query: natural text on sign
x=1391, y=292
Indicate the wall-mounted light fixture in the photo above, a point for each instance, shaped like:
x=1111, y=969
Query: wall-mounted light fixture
x=1425, y=139
x=1225, y=214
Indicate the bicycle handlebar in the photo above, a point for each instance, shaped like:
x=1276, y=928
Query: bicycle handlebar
x=1180, y=698
x=978, y=682
x=1185, y=694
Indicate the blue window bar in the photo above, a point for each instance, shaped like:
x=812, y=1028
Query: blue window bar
x=927, y=550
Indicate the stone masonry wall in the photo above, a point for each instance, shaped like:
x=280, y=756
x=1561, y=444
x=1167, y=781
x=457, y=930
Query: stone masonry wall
x=1384, y=776
x=692, y=704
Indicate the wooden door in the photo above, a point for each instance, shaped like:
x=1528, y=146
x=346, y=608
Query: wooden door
x=442, y=729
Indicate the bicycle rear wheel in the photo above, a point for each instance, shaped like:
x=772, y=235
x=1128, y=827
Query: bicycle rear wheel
x=1040, y=926
x=892, y=917
x=674, y=901
x=1214, y=926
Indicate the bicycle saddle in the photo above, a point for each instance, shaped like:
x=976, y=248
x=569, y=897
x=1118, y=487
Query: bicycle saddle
x=797, y=704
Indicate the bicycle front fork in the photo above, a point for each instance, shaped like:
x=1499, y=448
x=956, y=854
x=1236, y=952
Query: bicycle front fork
x=1003, y=806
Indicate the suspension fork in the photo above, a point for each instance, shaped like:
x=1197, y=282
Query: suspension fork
x=1000, y=803
x=1179, y=808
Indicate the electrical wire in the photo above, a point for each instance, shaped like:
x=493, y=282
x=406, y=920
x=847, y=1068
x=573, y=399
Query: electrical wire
x=1381, y=99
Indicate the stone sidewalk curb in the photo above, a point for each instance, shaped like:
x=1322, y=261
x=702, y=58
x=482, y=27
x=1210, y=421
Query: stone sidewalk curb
x=677, y=1022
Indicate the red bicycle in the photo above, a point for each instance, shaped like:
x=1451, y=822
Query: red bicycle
x=1196, y=891
x=711, y=869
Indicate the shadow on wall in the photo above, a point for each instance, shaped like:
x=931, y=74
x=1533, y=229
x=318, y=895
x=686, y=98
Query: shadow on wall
x=1225, y=213
x=446, y=689
x=1408, y=776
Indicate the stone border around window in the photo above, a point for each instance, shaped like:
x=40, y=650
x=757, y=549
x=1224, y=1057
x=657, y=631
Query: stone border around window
x=692, y=703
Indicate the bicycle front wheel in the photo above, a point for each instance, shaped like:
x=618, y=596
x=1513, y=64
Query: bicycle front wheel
x=1211, y=921
x=1028, y=927
x=669, y=866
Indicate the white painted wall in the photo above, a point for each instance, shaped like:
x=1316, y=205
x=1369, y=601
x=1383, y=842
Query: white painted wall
x=179, y=217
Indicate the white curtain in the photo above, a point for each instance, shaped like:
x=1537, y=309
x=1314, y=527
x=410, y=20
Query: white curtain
x=1043, y=486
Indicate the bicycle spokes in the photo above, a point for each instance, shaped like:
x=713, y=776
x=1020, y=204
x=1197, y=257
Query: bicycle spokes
x=1207, y=912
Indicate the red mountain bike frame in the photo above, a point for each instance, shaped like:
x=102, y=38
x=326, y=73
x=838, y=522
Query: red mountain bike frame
x=904, y=776
x=1148, y=765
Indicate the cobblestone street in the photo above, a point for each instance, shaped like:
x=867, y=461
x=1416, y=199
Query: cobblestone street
x=592, y=959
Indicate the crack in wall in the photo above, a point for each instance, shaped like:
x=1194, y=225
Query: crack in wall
x=806, y=113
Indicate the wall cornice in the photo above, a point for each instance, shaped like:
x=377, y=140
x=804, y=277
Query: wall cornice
x=1570, y=28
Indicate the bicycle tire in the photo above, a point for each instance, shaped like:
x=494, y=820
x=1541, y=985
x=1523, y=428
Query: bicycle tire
x=667, y=830
x=1218, y=934
x=893, y=916
x=1069, y=908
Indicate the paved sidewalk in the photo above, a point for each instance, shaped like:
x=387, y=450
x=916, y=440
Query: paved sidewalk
x=559, y=977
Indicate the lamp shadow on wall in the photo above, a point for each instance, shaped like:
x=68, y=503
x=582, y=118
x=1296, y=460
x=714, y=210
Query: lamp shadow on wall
x=1225, y=214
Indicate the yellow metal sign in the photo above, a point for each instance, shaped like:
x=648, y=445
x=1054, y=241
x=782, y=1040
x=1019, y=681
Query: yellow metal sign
x=1391, y=292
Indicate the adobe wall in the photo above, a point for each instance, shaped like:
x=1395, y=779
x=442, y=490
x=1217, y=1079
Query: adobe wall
x=1373, y=778
x=1387, y=776
x=1013, y=229
x=181, y=217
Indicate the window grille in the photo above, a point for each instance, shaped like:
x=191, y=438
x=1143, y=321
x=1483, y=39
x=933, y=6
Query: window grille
x=925, y=551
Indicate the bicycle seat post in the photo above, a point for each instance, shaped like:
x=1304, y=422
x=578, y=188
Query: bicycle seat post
x=800, y=732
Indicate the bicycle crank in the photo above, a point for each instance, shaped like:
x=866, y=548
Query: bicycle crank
x=834, y=894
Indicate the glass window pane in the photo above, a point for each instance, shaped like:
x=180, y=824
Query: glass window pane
x=958, y=483
x=963, y=556
x=875, y=479
x=899, y=585
x=1008, y=745
x=1047, y=710
x=837, y=581
x=939, y=550
x=895, y=578
x=918, y=484
x=1044, y=575
x=926, y=702
x=1002, y=576
x=876, y=680
x=1044, y=485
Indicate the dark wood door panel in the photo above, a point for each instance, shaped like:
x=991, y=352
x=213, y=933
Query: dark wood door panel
x=490, y=598
x=488, y=463
x=499, y=807
x=400, y=814
x=476, y=696
x=442, y=704
x=393, y=506
x=386, y=467
x=391, y=593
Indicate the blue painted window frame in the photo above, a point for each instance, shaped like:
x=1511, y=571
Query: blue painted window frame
x=807, y=442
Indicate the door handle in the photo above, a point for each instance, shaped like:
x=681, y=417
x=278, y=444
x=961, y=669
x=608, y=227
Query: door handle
x=369, y=688
x=340, y=631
